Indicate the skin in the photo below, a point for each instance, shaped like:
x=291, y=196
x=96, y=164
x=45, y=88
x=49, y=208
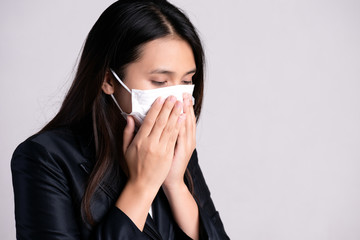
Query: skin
x=158, y=154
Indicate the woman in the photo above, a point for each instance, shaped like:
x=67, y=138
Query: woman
x=91, y=174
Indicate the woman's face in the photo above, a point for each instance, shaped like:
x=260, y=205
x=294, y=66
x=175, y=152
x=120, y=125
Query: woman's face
x=163, y=62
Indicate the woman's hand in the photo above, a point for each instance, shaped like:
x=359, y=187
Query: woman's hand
x=150, y=153
x=184, y=148
x=182, y=203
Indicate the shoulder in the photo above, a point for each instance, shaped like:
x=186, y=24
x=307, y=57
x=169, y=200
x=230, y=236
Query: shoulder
x=54, y=148
x=48, y=141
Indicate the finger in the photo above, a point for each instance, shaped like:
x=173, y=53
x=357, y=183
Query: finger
x=128, y=133
x=173, y=137
x=191, y=107
x=162, y=118
x=192, y=114
x=191, y=120
x=170, y=127
x=186, y=102
x=188, y=110
x=182, y=138
x=151, y=116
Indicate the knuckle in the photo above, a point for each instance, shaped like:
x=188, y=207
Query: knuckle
x=177, y=112
x=137, y=146
x=152, y=148
x=150, y=151
x=173, y=137
x=161, y=121
x=170, y=131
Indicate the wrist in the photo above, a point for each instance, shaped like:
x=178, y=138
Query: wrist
x=144, y=184
x=135, y=201
x=175, y=188
x=142, y=189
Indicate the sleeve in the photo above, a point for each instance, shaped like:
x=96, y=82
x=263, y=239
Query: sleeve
x=117, y=225
x=44, y=208
x=211, y=226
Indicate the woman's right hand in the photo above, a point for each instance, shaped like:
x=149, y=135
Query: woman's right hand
x=150, y=153
x=149, y=156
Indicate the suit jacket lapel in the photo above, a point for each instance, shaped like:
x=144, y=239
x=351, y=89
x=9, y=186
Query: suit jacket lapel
x=162, y=217
x=150, y=229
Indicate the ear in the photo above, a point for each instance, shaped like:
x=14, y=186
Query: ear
x=108, y=85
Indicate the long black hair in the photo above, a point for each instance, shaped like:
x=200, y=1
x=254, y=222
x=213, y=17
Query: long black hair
x=113, y=42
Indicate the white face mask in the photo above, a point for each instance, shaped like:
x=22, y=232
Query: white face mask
x=141, y=100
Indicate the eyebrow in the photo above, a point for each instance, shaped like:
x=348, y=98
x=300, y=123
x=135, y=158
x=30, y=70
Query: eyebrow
x=167, y=72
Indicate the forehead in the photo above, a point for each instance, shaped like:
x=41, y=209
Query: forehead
x=172, y=53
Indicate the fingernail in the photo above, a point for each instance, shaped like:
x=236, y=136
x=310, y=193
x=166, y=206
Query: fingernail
x=188, y=99
x=178, y=104
x=182, y=117
x=172, y=99
x=161, y=100
x=185, y=101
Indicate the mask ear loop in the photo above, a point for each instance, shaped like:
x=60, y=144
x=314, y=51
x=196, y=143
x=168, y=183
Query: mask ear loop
x=124, y=114
x=112, y=95
x=119, y=80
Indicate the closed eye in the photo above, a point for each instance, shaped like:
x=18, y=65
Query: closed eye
x=187, y=82
x=158, y=83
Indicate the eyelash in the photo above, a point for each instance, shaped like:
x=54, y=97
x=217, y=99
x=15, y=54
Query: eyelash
x=157, y=83
x=162, y=83
x=187, y=82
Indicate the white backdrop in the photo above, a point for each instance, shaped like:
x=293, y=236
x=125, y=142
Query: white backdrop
x=279, y=136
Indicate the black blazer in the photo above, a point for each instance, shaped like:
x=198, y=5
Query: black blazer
x=50, y=172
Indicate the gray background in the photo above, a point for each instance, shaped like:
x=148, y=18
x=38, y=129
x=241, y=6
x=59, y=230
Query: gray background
x=279, y=136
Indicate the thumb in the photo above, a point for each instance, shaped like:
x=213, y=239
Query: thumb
x=128, y=132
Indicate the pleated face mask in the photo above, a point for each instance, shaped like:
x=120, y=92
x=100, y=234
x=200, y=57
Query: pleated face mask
x=141, y=100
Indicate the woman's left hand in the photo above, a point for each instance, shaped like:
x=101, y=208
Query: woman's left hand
x=184, y=148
